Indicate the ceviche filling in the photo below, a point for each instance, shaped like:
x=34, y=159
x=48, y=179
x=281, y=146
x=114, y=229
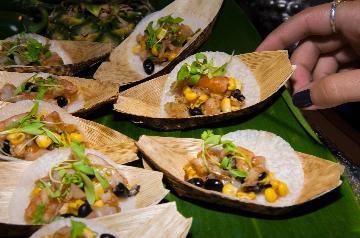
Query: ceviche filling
x=51, y=89
x=233, y=170
x=25, y=50
x=77, y=229
x=30, y=135
x=81, y=186
x=203, y=89
x=162, y=43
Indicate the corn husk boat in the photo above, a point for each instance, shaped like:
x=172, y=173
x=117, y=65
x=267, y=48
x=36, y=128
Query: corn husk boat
x=263, y=74
x=113, y=144
x=18, y=178
x=76, y=56
x=91, y=93
x=307, y=176
x=155, y=221
x=125, y=67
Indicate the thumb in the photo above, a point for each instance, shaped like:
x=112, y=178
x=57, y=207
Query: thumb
x=330, y=91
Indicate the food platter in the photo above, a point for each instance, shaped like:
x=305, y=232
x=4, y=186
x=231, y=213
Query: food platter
x=323, y=212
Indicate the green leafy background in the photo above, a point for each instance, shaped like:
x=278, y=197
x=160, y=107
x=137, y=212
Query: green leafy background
x=334, y=215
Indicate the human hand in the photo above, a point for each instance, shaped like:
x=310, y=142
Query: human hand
x=326, y=73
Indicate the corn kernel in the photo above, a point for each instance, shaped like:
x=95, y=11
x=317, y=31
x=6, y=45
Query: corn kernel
x=225, y=105
x=190, y=172
x=270, y=195
x=189, y=94
x=43, y=141
x=274, y=183
x=229, y=189
x=36, y=191
x=231, y=84
x=154, y=50
x=249, y=196
x=283, y=189
x=87, y=233
x=136, y=49
x=172, y=56
x=99, y=191
x=76, y=137
x=99, y=203
x=15, y=138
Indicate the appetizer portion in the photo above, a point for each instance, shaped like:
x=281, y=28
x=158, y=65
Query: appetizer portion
x=202, y=88
x=233, y=170
x=29, y=135
x=161, y=43
x=47, y=88
x=82, y=185
x=71, y=228
x=28, y=50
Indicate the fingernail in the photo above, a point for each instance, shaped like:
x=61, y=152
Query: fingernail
x=302, y=99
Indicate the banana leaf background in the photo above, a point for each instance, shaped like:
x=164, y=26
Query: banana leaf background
x=336, y=214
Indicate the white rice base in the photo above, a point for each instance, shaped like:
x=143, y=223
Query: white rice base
x=281, y=159
x=40, y=168
x=135, y=63
x=74, y=106
x=54, y=47
x=51, y=228
x=236, y=69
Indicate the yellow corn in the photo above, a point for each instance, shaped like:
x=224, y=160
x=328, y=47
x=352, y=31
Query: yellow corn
x=15, y=138
x=87, y=233
x=136, y=49
x=225, y=105
x=99, y=191
x=154, y=50
x=283, y=189
x=36, y=191
x=235, y=108
x=43, y=141
x=190, y=172
x=229, y=189
x=99, y=203
x=76, y=137
x=189, y=94
x=231, y=84
x=172, y=56
x=274, y=183
x=249, y=196
x=270, y=195
x=201, y=99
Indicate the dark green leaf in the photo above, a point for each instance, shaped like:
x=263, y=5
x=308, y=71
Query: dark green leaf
x=78, y=149
x=238, y=173
x=225, y=162
x=89, y=188
x=81, y=166
x=104, y=183
x=183, y=73
x=52, y=136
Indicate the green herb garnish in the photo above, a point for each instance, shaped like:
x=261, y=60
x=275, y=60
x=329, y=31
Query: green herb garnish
x=38, y=217
x=212, y=140
x=41, y=84
x=77, y=228
x=201, y=66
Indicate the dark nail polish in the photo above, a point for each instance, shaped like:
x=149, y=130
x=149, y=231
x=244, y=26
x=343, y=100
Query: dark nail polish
x=302, y=99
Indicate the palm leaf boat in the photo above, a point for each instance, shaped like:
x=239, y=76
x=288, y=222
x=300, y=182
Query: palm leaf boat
x=29, y=129
x=29, y=52
x=207, y=87
x=76, y=95
x=155, y=221
x=74, y=182
x=251, y=170
x=160, y=41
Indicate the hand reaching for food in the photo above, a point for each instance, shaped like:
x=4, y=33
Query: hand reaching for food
x=327, y=55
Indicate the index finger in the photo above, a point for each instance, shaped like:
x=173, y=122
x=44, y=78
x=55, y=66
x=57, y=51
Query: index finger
x=311, y=21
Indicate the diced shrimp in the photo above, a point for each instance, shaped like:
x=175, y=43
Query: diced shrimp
x=215, y=84
x=211, y=106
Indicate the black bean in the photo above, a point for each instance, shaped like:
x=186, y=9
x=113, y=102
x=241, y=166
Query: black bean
x=262, y=176
x=214, y=184
x=61, y=101
x=84, y=210
x=121, y=190
x=149, y=66
x=105, y=235
x=196, y=111
x=30, y=87
x=237, y=95
x=197, y=182
x=6, y=147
